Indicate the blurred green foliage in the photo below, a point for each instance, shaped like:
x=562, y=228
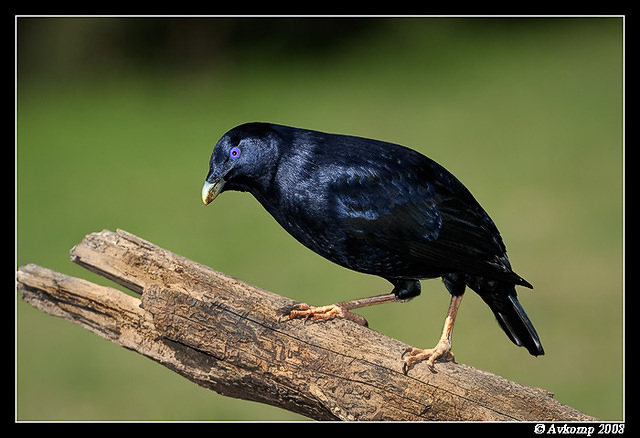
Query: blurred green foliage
x=117, y=118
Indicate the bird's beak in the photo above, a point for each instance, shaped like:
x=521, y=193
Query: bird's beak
x=211, y=190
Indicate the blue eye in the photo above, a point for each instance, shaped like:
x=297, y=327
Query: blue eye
x=234, y=153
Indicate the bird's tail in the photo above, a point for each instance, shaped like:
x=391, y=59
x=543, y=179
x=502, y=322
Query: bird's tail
x=503, y=301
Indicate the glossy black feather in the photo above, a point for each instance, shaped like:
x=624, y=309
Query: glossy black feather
x=374, y=207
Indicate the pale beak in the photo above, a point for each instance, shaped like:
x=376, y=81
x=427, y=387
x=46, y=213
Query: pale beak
x=211, y=190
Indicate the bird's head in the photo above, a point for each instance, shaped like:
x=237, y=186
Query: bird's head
x=244, y=159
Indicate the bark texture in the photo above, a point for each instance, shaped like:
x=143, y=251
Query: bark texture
x=224, y=335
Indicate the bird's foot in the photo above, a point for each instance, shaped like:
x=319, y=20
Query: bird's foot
x=323, y=313
x=442, y=351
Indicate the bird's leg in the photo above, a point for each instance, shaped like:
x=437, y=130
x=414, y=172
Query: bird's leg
x=338, y=310
x=442, y=350
x=403, y=290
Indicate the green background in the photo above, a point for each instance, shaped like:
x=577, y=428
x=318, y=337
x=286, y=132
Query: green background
x=117, y=117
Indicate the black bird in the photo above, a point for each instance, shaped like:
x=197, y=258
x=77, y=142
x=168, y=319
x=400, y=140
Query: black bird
x=377, y=208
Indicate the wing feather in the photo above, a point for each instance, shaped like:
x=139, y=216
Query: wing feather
x=427, y=217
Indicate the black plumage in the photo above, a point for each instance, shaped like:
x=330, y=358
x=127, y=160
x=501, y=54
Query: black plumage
x=377, y=208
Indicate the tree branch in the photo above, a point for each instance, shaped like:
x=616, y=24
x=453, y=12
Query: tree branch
x=224, y=335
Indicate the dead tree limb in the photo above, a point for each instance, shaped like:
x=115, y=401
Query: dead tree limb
x=224, y=335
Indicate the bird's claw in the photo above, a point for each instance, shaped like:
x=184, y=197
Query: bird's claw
x=441, y=352
x=323, y=313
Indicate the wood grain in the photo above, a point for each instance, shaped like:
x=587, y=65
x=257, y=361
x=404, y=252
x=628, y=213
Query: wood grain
x=224, y=335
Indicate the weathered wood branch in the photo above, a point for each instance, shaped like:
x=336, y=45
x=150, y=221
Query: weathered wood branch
x=224, y=335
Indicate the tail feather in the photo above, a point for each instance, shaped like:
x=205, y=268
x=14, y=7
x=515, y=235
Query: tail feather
x=503, y=301
x=516, y=324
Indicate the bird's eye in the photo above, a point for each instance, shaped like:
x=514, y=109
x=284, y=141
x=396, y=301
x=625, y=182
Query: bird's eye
x=234, y=153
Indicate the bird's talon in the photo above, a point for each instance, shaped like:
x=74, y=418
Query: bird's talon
x=307, y=312
x=303, y=310
x=441, y=352
x=431, y=365
x=407, y=350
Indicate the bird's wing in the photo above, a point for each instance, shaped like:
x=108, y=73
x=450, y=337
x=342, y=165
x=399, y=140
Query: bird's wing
x=428, y=218
x=468, y=240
